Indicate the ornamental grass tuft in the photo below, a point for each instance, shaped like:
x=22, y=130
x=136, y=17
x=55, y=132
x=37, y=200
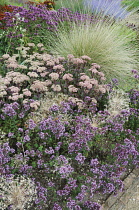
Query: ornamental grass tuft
x=106, y=44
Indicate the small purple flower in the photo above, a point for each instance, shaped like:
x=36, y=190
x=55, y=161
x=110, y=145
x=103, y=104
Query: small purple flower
x=71, y=204
x=94, y=162
x=20, y=129
x=134, y=71
x=57, y=207
x=54, y=108
x=41, y=135
x=21, y=115
x=32, y=125
x=18, y=144
x=40, y=163
x=65, y=170
x=8, y=110
x=80, y=158
x=10, y=134
x=51, y=184
x=26, y=138
x=50, y=151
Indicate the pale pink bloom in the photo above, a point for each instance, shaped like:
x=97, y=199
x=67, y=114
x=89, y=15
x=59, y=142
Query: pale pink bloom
x=39, y=56
x=70, y=56
x=31, y=44
x=22, y=67
x=80, y=105
x=101, y=74
x=102, y=89
x=87, y=84
x=15, y=97
x=12, y=65
x=93, y=81
x=72, y=89
x=32, y=74
x=59, y=67
x=2, y=86
x=76, y=101
x=14, y=89
x=84, y=77
x=41, y=69
x=44, y=74
x=40, y=45
x=46, y=57
x=48, y=82
x=25, y=101
x=12, y=74
x=102, y=78
x=11, y=60
x=95, y=65
x=26, y=92
x=20, y=96
x=93, y=70
x=20, y=78
x=61, y=58
x=68, y=77
x=50, y=63
x=3, y=93
x=81, y=84
x=42, y=49
x=72, y=99
x=7, y=81
x=85, y=57
x=56, y=60
x=5, y=56
x=38, y=86
x=54, y=76
x=35, y=63
x=56, y=88
x=94, y=100
x=35, y=104
x=77, y=61
x=32, y=67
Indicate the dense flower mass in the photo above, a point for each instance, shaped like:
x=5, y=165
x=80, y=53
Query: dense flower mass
x=66, y=136
x=43, y=20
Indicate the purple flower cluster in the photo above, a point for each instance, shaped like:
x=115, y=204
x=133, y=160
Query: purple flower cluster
x=10, y=109
x=80, y=158
x=40, y=18
x=5, y=158
x=81, y=136
x=55, y=126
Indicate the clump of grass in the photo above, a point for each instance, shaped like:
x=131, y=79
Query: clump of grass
x=76, y=5
x=105, y=44
x=110, y=8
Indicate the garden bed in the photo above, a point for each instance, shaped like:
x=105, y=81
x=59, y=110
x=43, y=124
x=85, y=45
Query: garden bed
x=69, y=107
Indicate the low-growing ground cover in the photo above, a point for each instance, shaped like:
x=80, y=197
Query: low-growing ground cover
x=67, y=135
